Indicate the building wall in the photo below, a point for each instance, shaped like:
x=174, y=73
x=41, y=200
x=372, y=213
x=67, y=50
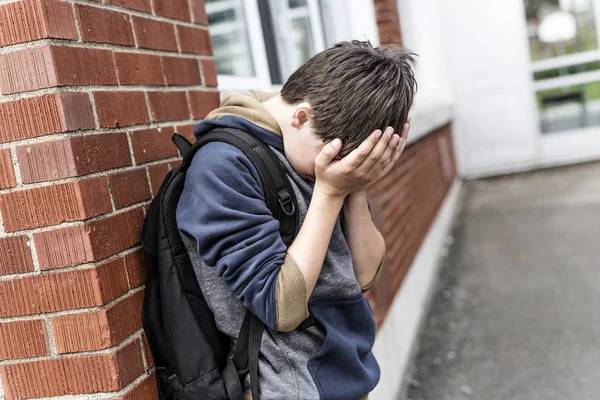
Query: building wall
x=404, y=204
x=90, y=94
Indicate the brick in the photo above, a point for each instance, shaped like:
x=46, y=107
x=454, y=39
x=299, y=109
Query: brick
x=181, y=71
x=168, y=106
x=54, y=204
x=45, y=19
x=202, y=102
x=156, y=35
x=157, y=173
x=98, y=330
x=7, y=171
x=25, y=70
x=152, y=144
x=23, y=339
x=75, y=156
x=139, y=69
x=51, y=66
x=176, y=9
x=145, y=390
x=194, y=40
x=63, y=112
x=129, y=187
x=15, y=256
x=136, y=268
x=81, y=66
x=64, y=290
x=104, y=26
x=91, y=241
x=175, y=164
x=117, y=109
x=140, y=5
x=209, y=72
x=106, y=372
x=199, y=12
x=147, y=350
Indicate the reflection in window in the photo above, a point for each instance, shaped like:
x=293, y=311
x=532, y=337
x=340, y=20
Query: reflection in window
x=229, y=35
x=569, y=108
x=560, y=27
x=302, y=48
x=293, y=32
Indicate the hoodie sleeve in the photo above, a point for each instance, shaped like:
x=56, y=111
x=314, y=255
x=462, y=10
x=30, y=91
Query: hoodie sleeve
x=222, y=206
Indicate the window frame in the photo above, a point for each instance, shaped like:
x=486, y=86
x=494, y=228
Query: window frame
x=262, y=80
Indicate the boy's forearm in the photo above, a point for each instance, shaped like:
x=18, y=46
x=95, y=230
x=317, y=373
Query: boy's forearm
x=310, y=246
x=366, y=244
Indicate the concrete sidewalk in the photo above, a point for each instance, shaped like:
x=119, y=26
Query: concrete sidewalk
x=516, y=312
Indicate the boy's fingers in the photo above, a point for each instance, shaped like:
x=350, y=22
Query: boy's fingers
x=405, y=129
x=395, y=158
x=328, y=153
x=391, y=148
x=358, y=155
x=379, y=152
x=401, y=146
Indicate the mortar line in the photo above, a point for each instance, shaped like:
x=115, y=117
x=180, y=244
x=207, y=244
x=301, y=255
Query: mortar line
x=93, y=45
x=77, y=28
x=85, y=310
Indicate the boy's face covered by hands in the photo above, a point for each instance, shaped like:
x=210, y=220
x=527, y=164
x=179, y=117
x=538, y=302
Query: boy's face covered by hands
x=365, y=165
x=375, y=156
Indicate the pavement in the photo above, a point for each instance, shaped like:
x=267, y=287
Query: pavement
x=516, y=311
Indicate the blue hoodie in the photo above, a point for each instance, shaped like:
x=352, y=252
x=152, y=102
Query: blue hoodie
x=241, y=262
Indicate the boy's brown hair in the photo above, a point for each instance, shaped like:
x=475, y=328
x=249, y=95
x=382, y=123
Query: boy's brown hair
x=354, y=88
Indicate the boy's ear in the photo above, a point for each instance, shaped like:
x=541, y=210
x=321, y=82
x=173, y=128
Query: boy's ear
x=301, y=115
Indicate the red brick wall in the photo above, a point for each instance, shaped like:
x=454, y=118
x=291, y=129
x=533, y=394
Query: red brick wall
x=90, y=93
x=404, y=204
x=388, y=21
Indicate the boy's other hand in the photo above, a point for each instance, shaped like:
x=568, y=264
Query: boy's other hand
x=365, y=165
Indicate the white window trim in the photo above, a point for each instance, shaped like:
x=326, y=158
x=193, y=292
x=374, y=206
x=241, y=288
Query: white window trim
x=262, y=78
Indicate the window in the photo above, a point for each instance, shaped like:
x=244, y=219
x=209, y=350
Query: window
x=260, y=43
x=565, y=57
x=230, y=37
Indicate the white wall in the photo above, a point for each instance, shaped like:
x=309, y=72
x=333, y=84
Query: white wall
x=473, y=54
x=488, y=67
x=350, y=20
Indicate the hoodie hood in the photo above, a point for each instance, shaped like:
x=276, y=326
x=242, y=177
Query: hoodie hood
x=244, y=111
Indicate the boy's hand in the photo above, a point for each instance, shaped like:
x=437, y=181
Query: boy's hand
x=373, y=159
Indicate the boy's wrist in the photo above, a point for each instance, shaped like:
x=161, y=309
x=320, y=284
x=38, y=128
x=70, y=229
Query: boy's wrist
x=323, y=194
x=359, y=195
x=356, y=198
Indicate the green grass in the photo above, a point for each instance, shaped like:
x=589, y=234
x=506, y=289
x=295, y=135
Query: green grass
x=592, y=92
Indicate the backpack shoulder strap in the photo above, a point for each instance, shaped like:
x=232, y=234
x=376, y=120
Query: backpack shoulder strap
x=279, y=194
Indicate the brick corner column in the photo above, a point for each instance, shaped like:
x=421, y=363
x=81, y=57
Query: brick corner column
x=388, y=22
x=90, y=94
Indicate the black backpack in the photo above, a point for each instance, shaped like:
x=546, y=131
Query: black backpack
x=189, y=351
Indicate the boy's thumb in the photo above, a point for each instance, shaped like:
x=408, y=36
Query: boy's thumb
x=330, y=150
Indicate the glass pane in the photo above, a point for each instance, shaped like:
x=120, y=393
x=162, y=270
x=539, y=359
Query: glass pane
x=560, y=27
x=570, y=107
x=229, y=35
x=302, y=48
x=296, y=3
x=571, y=70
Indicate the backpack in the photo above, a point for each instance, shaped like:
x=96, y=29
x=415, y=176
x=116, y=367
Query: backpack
x=189, y=351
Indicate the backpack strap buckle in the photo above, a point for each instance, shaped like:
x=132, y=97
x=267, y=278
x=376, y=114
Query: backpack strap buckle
x=286, y=203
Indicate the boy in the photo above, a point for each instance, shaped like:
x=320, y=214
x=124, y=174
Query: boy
x=326, y=127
